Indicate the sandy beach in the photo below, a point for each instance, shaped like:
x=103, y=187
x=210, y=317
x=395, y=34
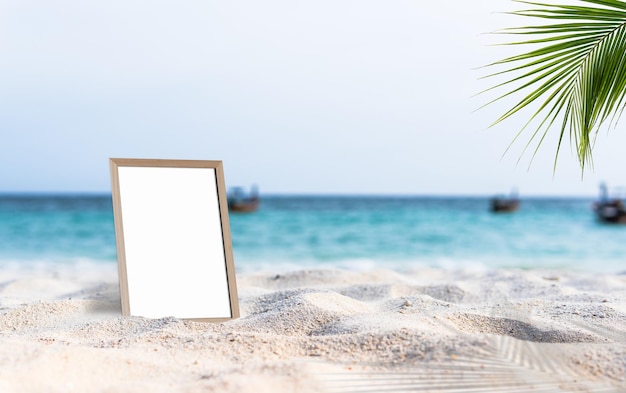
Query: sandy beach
x=321, y=331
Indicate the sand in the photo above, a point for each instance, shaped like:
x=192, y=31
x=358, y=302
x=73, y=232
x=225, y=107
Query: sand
x=61, y=330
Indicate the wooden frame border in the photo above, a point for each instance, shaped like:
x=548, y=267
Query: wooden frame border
x=114, y=164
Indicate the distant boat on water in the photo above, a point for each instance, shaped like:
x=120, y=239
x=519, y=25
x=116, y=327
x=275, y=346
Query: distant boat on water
x=242, y=202
x=502, y=204
x=609, y=209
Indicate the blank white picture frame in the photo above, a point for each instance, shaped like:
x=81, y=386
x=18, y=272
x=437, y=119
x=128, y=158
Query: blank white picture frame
x=173, y=239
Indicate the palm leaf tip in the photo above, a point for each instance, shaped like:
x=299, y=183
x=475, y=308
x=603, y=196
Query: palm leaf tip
x=575, y=70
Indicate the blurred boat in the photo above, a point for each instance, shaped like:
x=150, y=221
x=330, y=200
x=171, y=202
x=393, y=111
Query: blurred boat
x=501, y=204
x=609, y=209
x=241, y=202
x=504, y=205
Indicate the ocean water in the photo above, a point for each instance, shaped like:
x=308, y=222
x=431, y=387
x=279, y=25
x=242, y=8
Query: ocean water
x=354, y=232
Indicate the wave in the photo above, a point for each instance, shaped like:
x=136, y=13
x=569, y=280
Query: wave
x=250, y=264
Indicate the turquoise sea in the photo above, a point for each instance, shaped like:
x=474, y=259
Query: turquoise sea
x=354, y=232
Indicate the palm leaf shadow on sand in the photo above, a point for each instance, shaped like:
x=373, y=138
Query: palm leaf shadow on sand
x=507, y=365
x=520, y=357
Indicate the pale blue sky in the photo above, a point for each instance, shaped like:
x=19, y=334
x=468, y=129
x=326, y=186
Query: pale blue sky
x=364, y=96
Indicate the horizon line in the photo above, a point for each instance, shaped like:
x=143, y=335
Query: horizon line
x=319, y=194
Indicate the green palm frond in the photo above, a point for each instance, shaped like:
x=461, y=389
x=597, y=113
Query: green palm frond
x=575, y=73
